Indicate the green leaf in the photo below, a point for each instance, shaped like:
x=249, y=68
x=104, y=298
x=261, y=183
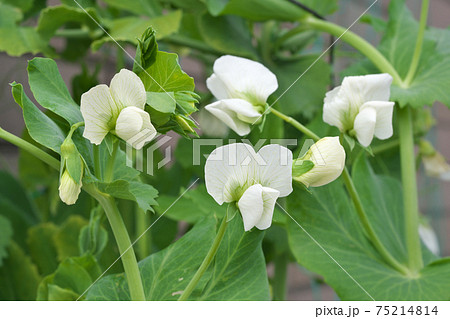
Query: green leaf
x=328, y=216
x=310, y=84
x=162, y=102
x=239, y=271
x=227, y=34
x=16, y=207
x=41, y=128
x=165, y=273
x=139, y=7
x=56, y=293
x=93, y=237
x=52, y=18
x=432, y=78
x=5, y=237
x=193, y=206
x=19, y=277
x=166, y=75
x=17, y=40
x=66, y=239
x=143, y=194
x=9, y=15
x=130, y=29
x=50, y=90
x=42, y=248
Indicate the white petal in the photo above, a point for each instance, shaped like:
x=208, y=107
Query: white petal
x=269, y=196
x=245, y=78
x=429, y=238
x=232, y=111
x=361, y=89
x=276, y=171
x=134, y=126
x=335, y=110
x=99, y=112
x=217, y=87
x=251, y=206
x=127, y=89
x=69, y=189
x=364, y=125
x=383, y=125
x=211, y=125
x=228, y=173
x=328, y=157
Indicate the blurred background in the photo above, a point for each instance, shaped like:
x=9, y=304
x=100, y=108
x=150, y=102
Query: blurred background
x=434, y=194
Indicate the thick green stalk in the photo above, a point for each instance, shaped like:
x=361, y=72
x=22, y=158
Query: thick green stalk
x=33, y=150
x=109, y=171
x=358, y=43
x=419, y=43
x=280, y=277
x=367, y=226
x=143, y=246
x=128, y=256
x=409, y=182
x=206, y=262
x=295, y=124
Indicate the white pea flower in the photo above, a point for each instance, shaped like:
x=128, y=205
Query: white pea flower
x=236, y=173
x=328, y=157
x=241, y=87
x=437, y=166
x=119, y=107
x=361, y=107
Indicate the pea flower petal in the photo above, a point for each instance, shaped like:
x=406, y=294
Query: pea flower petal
x=69, y=189
x=236, y=173
x=242, y=86
x=328, y=157
x=361, y=107
x=101, y=107
x=134, y=126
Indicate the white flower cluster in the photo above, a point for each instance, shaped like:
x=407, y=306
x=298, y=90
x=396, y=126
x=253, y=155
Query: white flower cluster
x=360, y=107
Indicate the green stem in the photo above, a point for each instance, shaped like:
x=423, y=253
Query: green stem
x=419, y=43
x=33, y=150
x=143, y=246
x=97, y=167
x=127, y=254
x=109, y=172
x=279, y=279
x=295, y=124
x=367, y=226
x=386, y=146
x=108, y=204
x=204, y=266
x=409, y=182
x=358, y=43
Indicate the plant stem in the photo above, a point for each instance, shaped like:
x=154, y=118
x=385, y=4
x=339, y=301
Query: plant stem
x=367, y=226
x=204, y=266
x=295, y=124
x=419, y=43
x=409, y=182
x=97, y=168
x=279, y=279
x=143, y=246
x=109, y=172
x=127, y=254
x=33, y=150
x=358, y=43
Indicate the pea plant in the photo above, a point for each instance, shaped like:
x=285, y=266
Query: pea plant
x=146, y=188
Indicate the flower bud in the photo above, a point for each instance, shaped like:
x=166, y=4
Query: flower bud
x=328, y=160
x=72, y=169
x=69, y=189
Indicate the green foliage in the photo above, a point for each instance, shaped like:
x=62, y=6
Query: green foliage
x=19, y=277
x=239, y=272
x=329, y=217
x=5, y=237
x=50, y=90
x=42, y=247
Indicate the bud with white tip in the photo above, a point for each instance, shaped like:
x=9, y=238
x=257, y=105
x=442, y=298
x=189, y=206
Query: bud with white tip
x=322, y=164
x=72, y=169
